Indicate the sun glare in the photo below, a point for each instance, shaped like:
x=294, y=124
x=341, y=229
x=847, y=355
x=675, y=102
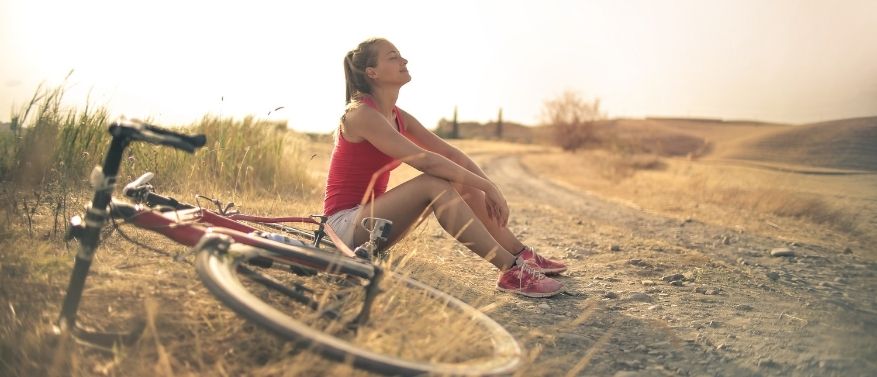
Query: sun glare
x=174, y=62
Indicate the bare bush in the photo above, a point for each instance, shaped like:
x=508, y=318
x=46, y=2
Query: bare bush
x=573, y=119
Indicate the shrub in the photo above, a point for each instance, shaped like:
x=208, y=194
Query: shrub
x=572, y=119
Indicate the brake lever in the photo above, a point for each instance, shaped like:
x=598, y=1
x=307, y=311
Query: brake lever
x=136, y=186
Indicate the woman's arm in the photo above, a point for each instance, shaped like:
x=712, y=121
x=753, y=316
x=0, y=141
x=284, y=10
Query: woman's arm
x=368, y=124
x=431, y=142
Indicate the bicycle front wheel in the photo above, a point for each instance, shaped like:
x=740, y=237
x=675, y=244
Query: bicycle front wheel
x=411, y=329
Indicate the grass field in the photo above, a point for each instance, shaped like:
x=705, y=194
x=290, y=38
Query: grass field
x=266, y=170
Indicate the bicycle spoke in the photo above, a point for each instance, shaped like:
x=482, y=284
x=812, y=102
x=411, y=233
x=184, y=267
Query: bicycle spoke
x=296, y=293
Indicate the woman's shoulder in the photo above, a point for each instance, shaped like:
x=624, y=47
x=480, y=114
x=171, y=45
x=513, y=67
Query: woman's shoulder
x=358, y=119
x=357, y=111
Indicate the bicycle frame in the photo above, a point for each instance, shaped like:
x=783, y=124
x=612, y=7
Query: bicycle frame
x=142, y=192
x=375, y=248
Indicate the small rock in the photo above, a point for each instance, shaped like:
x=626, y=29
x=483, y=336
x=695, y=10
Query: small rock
x=544, y=306
x=782, y=252
x=677, y=283
x=714, y=324
x=673, y=277
x=699, y=289
x=610, y=295
x=626, y=373
x=726, y=240
x=767, y=362
x=639, y=296
x=847, y=250
x=711, y=292
x=615, y=248
x=655, y=307
x=773, y=275
x=648, y=283
x=743, y=307
x=629, y=364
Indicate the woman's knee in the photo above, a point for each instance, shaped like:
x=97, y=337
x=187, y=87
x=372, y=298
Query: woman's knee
x=434, y=186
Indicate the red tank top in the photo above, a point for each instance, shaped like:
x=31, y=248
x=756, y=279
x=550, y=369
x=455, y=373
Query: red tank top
x=352, y=167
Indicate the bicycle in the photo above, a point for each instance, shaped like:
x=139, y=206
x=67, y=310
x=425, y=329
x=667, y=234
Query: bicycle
x=327, y=299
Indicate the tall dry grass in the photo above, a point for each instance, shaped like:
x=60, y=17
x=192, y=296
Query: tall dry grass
x=54, y=145
x=45, y=161
x=780, y=201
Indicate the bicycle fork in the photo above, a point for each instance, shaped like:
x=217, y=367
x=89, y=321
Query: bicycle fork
x=87, y=232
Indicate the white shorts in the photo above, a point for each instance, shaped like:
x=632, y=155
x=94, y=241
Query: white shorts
x=343, y=223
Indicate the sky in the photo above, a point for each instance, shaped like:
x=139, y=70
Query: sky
x=788, y=61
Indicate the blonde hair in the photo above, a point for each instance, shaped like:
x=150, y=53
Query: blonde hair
x=355, y=62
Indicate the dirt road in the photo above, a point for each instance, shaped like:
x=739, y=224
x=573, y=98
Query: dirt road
x=649, y=295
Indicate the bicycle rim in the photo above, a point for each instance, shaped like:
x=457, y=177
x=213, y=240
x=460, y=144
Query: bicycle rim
x=407, y=316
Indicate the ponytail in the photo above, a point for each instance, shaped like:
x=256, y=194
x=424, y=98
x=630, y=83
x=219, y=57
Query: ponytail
x=355, y=63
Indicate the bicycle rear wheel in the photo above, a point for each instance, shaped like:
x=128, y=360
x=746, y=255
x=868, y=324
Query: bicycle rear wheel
x=412, y=328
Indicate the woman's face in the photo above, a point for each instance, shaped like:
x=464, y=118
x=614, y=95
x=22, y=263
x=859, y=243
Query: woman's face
x=391, y=67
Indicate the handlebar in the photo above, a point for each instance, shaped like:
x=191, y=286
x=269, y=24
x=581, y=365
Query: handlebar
x=137, y=130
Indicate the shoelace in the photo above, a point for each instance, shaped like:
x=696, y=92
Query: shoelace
x=528, y=268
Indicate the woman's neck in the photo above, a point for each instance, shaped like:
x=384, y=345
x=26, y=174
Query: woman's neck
x=385, y=100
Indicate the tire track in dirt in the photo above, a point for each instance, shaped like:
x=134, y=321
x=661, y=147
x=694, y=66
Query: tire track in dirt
x=739, y=310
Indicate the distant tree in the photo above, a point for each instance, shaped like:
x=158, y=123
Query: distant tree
x=499, y=124
x=573, y=119
x=455, y=126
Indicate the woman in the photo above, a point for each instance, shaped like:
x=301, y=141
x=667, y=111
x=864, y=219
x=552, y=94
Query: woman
x=375, y=136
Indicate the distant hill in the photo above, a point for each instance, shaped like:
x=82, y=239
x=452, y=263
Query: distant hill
x=838, y=144
x=628, y=135
x=846, y=144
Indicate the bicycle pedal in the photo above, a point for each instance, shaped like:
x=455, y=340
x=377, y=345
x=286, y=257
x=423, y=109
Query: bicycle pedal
x=362, y=253
x=302, y=271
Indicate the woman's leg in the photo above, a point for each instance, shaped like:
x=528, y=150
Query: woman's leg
x=405, y=204
x=475, y=199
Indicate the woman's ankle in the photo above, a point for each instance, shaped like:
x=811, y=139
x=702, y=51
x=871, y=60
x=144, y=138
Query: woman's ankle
x=521, y=250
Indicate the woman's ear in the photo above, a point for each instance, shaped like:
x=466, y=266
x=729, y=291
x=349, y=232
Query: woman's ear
x=371, y=73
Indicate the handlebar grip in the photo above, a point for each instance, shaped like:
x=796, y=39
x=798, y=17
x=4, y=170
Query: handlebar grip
x=137, y=130
x=197, y=141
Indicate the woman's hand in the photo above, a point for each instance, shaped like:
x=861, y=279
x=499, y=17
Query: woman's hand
x=497, y=208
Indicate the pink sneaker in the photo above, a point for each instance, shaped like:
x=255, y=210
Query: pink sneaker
x=547, y=266
x=524, y=279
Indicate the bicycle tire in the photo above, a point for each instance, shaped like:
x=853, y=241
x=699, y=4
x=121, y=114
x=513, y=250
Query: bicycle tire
x=220, y=265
